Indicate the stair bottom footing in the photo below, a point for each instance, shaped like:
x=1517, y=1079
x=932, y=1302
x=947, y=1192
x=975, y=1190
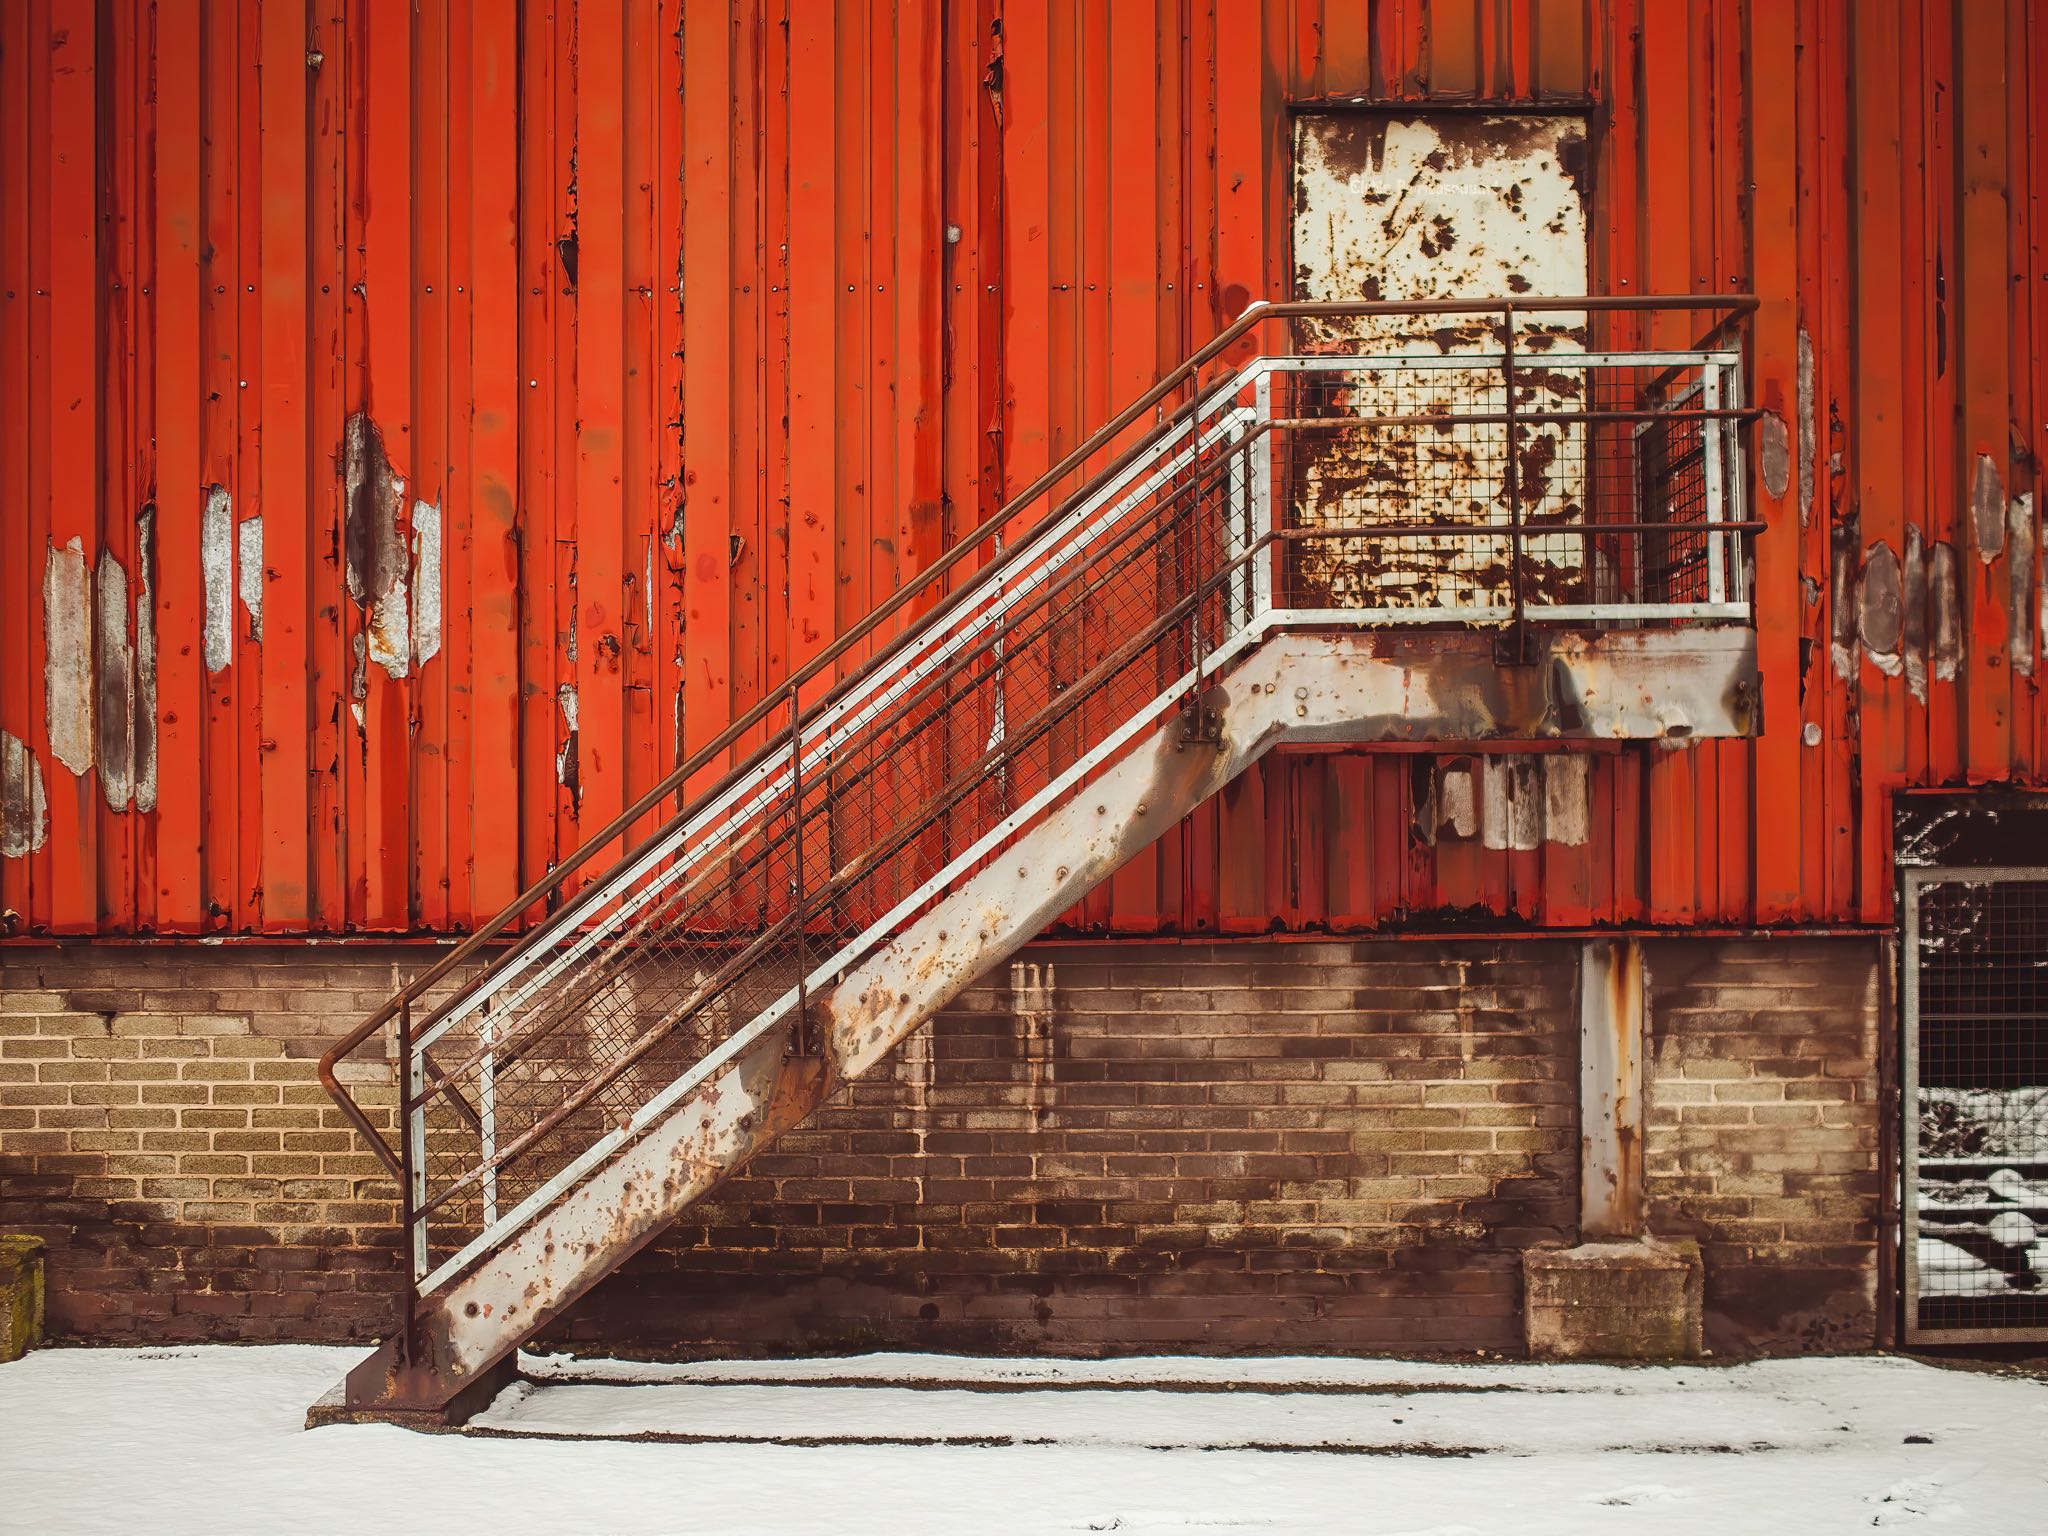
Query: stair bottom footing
x=335, y=1408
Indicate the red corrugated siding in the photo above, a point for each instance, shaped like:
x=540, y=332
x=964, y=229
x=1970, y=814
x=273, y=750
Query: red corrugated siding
x=654, y=307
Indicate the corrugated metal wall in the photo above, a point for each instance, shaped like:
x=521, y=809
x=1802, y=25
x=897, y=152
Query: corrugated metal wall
x=417, y=419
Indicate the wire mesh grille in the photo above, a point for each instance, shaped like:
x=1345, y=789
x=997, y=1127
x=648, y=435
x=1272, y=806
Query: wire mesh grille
x=1978, y=1016
x=1424, y=487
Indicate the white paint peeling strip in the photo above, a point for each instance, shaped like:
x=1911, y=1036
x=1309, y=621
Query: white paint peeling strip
x=2020, y=573
x=1513, y=817
x=426, y=582
x=1567, y=797
x=1774, y=454
x=1913, y=616
x=145, y=661
x=391, y=613
x=217, y=566
x=249, y=571
x=1459, y=806
x=1809, y=431
x=1944, y=617
x=565, y=755
x=24, y=807
x=116, y=693
x=67, y=656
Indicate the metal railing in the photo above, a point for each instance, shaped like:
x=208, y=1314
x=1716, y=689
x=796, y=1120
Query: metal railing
x=1315, y=464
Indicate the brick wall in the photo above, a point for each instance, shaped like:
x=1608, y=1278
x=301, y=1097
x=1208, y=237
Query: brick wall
x=1253, y=1144
x=1269, y=1145
x=1762, y=1129
x=161, y=1124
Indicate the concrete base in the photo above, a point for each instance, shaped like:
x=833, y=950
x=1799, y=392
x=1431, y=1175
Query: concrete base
x=1614, y=1301
x=21, y=1296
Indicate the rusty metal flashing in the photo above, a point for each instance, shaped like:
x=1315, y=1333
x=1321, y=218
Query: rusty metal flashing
x=1612, y=995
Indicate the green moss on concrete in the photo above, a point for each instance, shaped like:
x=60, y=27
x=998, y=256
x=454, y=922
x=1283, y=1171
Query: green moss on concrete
x=21, y=1296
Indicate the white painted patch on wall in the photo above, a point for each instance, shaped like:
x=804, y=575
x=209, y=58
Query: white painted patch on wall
x=1513, y=817
x=24, y=807
x=249, y=571
x=426, y=583
x=390, y=615
x=1567, y=797
x=1458, y=806
x=2020, y=555
x=217, y=567
x=67, y=655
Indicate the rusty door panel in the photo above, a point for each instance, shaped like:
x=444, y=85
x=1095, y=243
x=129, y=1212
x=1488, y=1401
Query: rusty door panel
x=419, y=423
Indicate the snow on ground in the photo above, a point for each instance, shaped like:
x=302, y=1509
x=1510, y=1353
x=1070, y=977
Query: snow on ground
x=209, y=1439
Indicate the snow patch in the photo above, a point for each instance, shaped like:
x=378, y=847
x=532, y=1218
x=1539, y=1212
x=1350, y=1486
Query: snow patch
x=210, y=1438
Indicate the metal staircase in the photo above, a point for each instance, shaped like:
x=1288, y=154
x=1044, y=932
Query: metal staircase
x=1328, y=525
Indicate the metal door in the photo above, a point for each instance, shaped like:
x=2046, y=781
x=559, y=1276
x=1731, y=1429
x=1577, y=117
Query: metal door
x=1975, y=1142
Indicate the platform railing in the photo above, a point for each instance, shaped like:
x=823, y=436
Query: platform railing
x=1560, y=462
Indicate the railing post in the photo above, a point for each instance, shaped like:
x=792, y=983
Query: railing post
x=1261, y=498
x=1513, y=648
x=487, y=1111
x=1711, y=469
x=799, y=900
x=410, y=1174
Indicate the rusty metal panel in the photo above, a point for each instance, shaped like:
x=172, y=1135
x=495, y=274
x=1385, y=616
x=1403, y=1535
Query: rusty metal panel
x=690, y=327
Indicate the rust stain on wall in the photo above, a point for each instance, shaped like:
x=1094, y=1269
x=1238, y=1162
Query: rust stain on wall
x=115, y=665
x=2020, y=554
x=1987, y=510
x=1842, y=606
x=145, y=661
x=375, y=545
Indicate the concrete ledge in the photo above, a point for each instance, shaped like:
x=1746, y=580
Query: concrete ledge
x=1614, y=1301
x=21, y=1296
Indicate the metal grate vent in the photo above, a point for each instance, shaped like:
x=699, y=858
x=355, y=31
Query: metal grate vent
x=1976, y=1146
